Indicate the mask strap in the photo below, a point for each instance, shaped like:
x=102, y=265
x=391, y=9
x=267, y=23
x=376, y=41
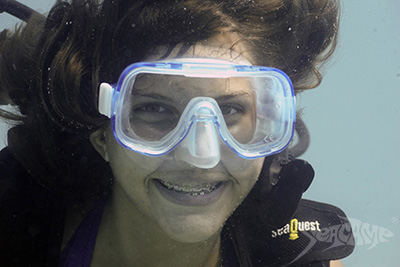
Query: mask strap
x=18, y=9
x=303, y=140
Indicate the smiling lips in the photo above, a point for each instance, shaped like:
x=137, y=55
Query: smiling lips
x=193, y=190
x=185, y=194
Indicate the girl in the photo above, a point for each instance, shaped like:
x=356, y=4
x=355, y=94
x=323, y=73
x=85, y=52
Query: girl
x=149, y=135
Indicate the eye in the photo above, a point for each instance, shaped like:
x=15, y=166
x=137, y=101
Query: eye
x=229, y=109
x=151, y=108
x=154, y=112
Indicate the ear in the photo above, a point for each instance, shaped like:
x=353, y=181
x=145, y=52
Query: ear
x=99, y=142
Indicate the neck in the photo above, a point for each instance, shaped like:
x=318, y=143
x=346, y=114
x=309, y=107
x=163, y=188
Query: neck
x=128, y=237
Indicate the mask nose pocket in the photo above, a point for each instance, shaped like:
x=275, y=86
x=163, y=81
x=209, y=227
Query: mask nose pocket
x=201, y=147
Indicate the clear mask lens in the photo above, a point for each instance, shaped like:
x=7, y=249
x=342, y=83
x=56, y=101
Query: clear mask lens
x=158, y=105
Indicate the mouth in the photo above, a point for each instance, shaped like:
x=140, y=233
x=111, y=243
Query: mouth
x=190, y=194
x=194, y=190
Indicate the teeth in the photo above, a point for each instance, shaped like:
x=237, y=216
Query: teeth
x=195, y=190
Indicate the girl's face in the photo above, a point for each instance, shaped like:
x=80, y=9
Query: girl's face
x=188, y=203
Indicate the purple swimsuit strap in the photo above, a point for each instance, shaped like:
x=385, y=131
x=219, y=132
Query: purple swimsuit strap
x=79, y=250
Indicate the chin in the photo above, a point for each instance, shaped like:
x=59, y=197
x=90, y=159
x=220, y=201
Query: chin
x=192, y=229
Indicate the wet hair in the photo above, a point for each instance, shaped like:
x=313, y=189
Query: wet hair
x=50, y=70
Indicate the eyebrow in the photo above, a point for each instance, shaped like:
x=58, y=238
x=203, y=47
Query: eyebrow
x=234, y=95
x=167, y=98
x=152, y=95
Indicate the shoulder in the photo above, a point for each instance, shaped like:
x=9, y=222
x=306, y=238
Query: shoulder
x=322, y=232
x=27, y=215
x=316, y=234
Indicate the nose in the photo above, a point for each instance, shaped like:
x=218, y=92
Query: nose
x=201, y=147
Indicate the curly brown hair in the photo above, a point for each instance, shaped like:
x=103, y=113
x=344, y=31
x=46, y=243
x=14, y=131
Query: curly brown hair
x=51, y=70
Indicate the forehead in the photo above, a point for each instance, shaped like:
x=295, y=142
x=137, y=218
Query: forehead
x=223, y=46
x=227, y=47
x=179, y=87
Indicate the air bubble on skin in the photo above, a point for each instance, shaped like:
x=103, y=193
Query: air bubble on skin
x=289, y=29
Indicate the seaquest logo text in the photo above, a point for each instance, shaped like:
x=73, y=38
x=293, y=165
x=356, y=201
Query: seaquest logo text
x=294, y=227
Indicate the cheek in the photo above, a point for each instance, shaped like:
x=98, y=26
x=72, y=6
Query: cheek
x=131, y=177
x=131, y=169
x=240, y=168
x=243, y=132
x=124, y=160
x=245, y=172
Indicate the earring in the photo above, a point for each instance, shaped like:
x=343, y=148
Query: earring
x=106, y=158
x=104, y=140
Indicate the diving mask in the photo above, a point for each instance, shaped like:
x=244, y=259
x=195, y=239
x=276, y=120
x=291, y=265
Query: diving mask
x=200, y=105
